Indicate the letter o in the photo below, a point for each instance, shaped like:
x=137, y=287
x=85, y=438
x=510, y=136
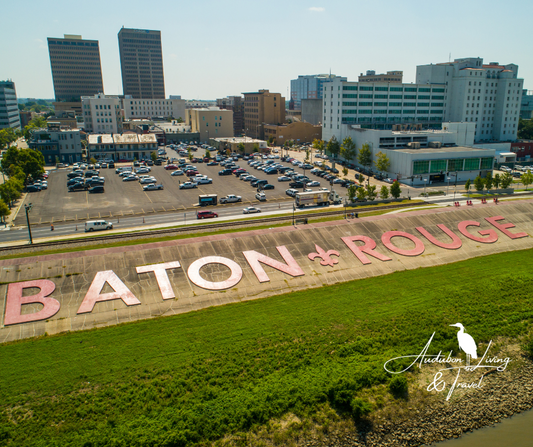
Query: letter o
x=419, y=245
x=193, y=272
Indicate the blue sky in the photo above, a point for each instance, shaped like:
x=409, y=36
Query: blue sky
x=216, y=48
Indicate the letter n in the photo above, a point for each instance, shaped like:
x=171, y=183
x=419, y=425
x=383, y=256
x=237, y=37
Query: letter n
x=15, y=300
x=255, y=259
x=94, y=296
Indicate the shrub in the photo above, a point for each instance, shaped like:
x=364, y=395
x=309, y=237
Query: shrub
x=527, y=346
x=398, y=386
x=360, y=407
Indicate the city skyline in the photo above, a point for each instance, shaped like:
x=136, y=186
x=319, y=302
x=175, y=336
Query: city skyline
x=216, y=49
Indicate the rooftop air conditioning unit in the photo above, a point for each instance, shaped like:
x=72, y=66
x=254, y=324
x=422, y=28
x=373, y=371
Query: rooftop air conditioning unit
x=413, y=145
x=435, y=144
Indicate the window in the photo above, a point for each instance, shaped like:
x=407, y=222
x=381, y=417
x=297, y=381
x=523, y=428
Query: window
x=348, y=87
x=409, y=104
x=424, y=89
x=381, y=96
x=420, y=167
x=382, y=89
x=395, y=104
x=406, y=96
x=471, y=164
x=423, y=97
x=366, y=96
x=350, y=95
x=438, y=166
x=455, y=164
x=380, y=104
x=410, y=89
x=349, y=104
x=396, y=89
x=366, y=88
x=365, y=104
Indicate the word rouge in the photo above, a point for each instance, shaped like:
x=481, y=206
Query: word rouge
x=15, y=298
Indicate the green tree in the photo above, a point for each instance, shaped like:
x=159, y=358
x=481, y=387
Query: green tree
x=208, y=153
x=496, y=181
x=527, y=179
x=488, y=181
x=36, y=123
x=307, y=156
x=32, y=163
x=319, y=145
x=179, y=120
x=371, y=192
x=384, y=193
x=352, y=192
x=333, y=147
x=348, y=149
x=360, y=177
x=507, y=179
x=468, y=185
x=10, y=158
x=345, y=171
x=525, y=129
x=365, y=155
x=7, y=137
x=153, y=156
x=395, y=190
x=479, y=183
x=255, y=148
x=190, y=154
x=10, y=191
x=241, y=148
x=93, y=160
x=361, y=193
x=382, y=162
x=4, y=211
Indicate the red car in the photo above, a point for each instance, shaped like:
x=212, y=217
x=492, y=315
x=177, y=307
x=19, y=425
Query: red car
x=205, y=214
x=171, y=167
x=191, y=173
x=206, y=160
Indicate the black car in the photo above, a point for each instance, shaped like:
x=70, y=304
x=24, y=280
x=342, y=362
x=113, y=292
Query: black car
x=95, y=181
x=158, y=162
x=74, y=180
x=225, y=172
x=91, y=174
x=33, y=188
x=296, y=184
x=267, y=186
x=77, y=187
x=75, y=174
x=96, y=189
x=111, y=164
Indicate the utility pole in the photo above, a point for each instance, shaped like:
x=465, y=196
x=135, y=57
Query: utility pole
x=28, y=209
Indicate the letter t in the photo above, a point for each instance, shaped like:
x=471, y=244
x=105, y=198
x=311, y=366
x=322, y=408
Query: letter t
x=161, y=276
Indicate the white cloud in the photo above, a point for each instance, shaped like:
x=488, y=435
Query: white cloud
x=317, y=9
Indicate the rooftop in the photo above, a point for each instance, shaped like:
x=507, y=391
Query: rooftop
x=441, y=150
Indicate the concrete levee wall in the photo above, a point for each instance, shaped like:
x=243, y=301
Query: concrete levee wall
x=83, y=283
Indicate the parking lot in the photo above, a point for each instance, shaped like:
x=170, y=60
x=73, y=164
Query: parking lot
x=120, y=198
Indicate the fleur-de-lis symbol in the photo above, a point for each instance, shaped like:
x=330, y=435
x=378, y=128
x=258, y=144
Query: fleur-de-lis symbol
x=325, y=256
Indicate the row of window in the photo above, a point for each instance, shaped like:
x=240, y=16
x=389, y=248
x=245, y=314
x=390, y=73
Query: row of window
x=391, y=112
x=391, y=104
x=451, y=165
x=391, y=89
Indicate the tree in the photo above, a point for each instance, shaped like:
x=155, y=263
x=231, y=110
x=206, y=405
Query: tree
x=527, y=179
x=36, y=123
x=395, y=189
x=479, y=183
x=382, y=162
x=365, y=155
x=360, y=177
x=318, y=145
x=179, y=120
x=7, y=136
x=371, y=192
x=496, y=181
x=255, y=148
x=4, y=211
x=333, y=147
x=345, y=171
x=92, y=160
x=468, y=184
x=352, y=192
x=241, y=147
x=525, y=129
x=307, y=155
x=208, y=153
x=32, y=163
x=271, y=140
x=10, y=191
x=507, y=179
x=348, y=149
x=488, y=181
x=153, y=156
x=190, y=154
x=361, y=193
x=384, y=193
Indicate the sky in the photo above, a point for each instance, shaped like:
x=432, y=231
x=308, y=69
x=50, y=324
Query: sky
x=218, y=48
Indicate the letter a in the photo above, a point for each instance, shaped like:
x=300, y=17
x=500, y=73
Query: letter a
x=93, y=294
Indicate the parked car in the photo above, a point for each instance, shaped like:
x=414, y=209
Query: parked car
x=152, y=187
x=33, y=188
x=267, y=186
x=187, y=185
x=96, y=189
x=291, y=192
x=261, y=196
x=171, y=167
x=204, y=181
x=313, y=183
x=130, y=178
x=212, y=163
x=251, y=209
x=206, y=214
x=225, y=172
x=147, y=180
x=177, y=173
x=77, y=187
x=96, y=225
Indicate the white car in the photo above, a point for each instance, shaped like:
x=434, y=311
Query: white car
x=130, y=178
x=178, y=172
x=188, y=185
x=261, y=196
x=284, y=178
x=147, y=180
x=251, y=209
x=203, y=181
x=313, y=183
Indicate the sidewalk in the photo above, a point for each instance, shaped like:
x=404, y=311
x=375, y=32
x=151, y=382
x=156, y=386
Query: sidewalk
x=15, y=209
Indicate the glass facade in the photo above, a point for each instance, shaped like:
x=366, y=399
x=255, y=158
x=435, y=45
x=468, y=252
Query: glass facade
x=420, y=167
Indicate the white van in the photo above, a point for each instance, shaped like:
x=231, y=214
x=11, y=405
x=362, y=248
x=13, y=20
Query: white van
x=96, y=225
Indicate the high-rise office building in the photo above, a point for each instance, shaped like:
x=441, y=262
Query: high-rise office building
x=309, y=87
x=260, y=108
x=76, y=69
x=141, y=62
x=9, y=111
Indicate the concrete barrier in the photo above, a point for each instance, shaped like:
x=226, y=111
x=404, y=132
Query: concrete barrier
x=87, y=289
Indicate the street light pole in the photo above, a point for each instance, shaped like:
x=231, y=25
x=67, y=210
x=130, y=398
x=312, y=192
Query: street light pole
x=448, y=187
x=28, y=209
x=293, y=209
x=425, y=183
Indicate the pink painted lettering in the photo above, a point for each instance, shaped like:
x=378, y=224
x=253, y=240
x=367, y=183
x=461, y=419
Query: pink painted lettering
x=454, y=245
x=503, y=227
x=193, y=272
x=255, y=259
x=94, y=296
x=160, y=271
x=15, y=300
x=360, y=250
x=386, y=240
x=491, y=234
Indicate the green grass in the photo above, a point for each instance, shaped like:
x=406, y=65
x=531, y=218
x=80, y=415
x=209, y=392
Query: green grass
x=191, y=379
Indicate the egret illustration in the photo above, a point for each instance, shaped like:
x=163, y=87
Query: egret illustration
x=466, y=343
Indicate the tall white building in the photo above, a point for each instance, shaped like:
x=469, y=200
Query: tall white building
x=102, y=113
x=151, y=108
x=310, y=87
x=486, y=94
x=465, y=90
x=9, y=111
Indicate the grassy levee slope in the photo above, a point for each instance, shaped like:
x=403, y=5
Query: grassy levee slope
x=194, y=378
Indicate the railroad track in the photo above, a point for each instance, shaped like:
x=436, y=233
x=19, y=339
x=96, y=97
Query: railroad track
x=187, y=229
